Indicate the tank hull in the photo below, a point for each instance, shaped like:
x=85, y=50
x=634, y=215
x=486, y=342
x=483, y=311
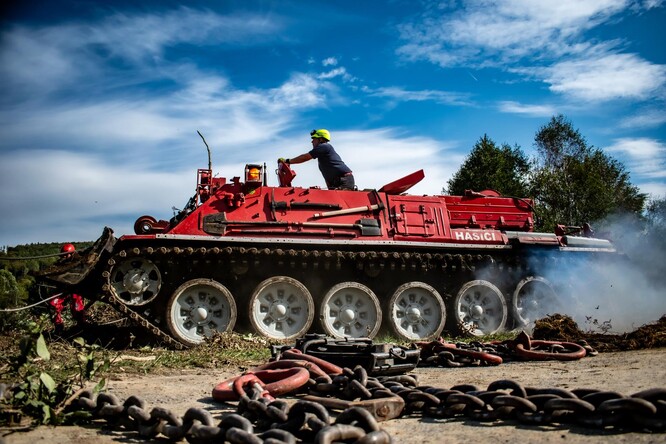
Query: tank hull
x=454, y=288
x=284, y=261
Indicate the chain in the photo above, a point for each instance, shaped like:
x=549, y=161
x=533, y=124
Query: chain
x=448, y=354
x=260, y=418
x=506, y=400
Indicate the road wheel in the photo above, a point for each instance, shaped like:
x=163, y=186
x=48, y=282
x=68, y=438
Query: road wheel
x=533, y=298
x=416, y=312
x=198, y=309
x=350, y=310
x=480, y=308
x=281, y=308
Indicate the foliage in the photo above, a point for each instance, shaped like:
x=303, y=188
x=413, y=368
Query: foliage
x=18, y=286
x=574, y=183
x=10, y=296
x=571, y=182
x=655, y=215
x=488, y=166
x=40, y=394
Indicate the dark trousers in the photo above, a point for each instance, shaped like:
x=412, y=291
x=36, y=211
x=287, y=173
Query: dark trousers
x=342, y=183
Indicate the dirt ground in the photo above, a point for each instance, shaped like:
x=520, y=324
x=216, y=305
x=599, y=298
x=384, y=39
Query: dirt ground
x=626, y=372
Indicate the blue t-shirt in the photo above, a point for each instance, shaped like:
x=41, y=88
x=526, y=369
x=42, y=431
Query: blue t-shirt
x=330, y=163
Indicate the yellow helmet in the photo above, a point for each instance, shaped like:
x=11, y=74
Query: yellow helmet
x=324, y=134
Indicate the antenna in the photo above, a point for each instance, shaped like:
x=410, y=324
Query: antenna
x=210, y=166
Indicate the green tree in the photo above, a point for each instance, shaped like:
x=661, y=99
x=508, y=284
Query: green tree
x=656, y=217
x=573, y=183
x=488, y=166
x=654, y=240
x=10, y=296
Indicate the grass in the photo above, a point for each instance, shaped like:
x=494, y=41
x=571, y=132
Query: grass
x=67, y=357
x=128, y=355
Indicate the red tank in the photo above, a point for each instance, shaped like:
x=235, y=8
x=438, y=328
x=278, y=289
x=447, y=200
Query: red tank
x=284, y=260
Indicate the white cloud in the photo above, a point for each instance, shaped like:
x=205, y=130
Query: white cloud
x=401, y=94
x=645, y=158
x=64, y=194
x=337, y=72
x=69, y=55
x=135, y=37
x=380, y=156
x=655, y=189
x=494, y=33
x=647, y=118
x=530, y=110
x=163, y=125
x=648, y=4
x=638, y=148
x=301, y=91
x=545, y=41
x=330, y=61
x=609, y=76
x=115, y=150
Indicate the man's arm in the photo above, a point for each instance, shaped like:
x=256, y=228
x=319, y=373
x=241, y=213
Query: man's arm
x=300, y=159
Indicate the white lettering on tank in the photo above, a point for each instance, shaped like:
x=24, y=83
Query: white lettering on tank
x=475, y=236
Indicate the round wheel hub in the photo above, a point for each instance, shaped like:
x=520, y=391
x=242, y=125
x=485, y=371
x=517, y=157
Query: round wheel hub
x=278, y=311
x=413, y=314
x=476, y=311
x=135, y=282
x=347, y=315
x=199, y=314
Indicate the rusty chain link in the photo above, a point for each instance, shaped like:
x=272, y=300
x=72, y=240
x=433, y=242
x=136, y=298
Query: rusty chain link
x=522, y=348
x=510, y=401
x=261, y=418
x=258, y=420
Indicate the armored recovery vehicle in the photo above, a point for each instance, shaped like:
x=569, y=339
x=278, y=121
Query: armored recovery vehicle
x=284, y=260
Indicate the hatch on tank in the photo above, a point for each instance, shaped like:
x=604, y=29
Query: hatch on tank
x=403, y=184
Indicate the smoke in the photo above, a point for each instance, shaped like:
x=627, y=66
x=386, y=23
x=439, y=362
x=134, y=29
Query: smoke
x=614, y=293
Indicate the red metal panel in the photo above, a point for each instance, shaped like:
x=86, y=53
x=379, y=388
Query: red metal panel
x=418, y=216
x=504, y=213
x=285, y=211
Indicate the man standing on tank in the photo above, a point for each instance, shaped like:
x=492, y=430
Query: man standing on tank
x=336, y=173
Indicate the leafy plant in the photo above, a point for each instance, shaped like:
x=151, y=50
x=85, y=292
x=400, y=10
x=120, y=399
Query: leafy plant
x=38, y=394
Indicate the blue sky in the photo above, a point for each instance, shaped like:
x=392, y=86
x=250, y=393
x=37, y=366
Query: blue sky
x=100, y=103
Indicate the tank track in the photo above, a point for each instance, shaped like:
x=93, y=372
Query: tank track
x=310, y=259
